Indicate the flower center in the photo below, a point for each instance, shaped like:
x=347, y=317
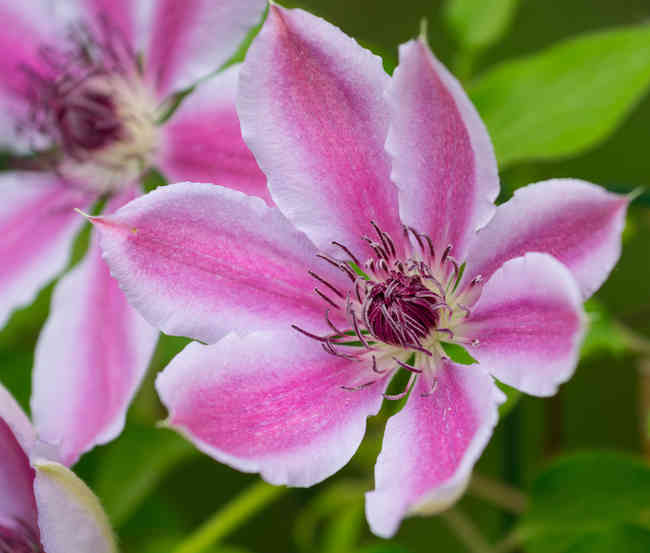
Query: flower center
x=95, y=111
x=401, y=310
x=18, y=539
x=398, y=307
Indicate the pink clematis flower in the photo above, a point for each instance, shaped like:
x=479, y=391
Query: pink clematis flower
x=44, y=507
x=84, y=83
x=362, y=257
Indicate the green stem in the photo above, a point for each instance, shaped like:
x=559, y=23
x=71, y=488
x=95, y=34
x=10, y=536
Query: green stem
x=502, y=495
x=230, y=517
x=466, y=531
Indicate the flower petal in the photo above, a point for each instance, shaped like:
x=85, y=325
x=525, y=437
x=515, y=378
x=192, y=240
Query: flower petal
x=17, y=438
x=443, y=160
x=529, y=323
x=193, y=38
x=272, y=403
x=312, y=111
x=202, y=142
x=26, y=27
x=69, y=514
x=201, y=260
x=431, y=445
x=81, y=394
x=37, y=225
x=120, y=21
x=576, y=222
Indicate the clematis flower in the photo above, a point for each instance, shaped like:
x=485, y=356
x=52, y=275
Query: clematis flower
x=371, y=262
x=44, y=507
x=84, y=85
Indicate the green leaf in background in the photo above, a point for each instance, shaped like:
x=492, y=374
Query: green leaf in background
x=477, y=24
x=565, y=99
x=512, y=398
x=627, y=539
x=339, y=509
x=133, y=466
x=596, y=496
x=603, y=335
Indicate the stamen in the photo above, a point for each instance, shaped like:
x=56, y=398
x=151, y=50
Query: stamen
x=327, y=299
x=407, y=366
x=445, y=254
x=403, y=394
x=346, y=250
x=330, y=286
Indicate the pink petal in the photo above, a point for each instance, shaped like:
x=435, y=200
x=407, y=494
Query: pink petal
x=193, y=38
x=202, y=142
x=443, y=160
x=121, y=19
x=272, y=403
x=577, y=222
x=26, y=27
x=81, y=393
x=529, y=322
x=37, y=225
x=312, y=111
x=431, y=445
x=200, y=260
x=70, y=516
x=16, y=475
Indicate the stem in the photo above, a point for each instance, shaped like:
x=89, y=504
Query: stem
x=498, y=493
x=466, y=531
x=230, y=517
x=633, y=340
x=510, y=543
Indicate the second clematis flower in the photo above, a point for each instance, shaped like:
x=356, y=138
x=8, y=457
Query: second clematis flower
x=373, y=259
x=44, y=507
x=84, y=88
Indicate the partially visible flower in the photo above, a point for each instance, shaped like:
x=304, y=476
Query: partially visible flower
x=44, y=507
x=83, y=89
x=375, y=260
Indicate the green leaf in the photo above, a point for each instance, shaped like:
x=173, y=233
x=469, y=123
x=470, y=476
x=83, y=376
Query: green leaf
x=627, y=539
x=603, y=334
x=477, y=24
x=512, y=398
x=565, y=99
x=133, y=465
x=341, y=506
x=595, y=494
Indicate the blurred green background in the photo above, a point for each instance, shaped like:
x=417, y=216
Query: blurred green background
x=578, y=111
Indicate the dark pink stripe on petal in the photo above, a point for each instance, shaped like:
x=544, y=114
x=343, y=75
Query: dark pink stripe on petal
x=313, y=113
x=270, y=403
x=200, y=260
x=529, y=324
x=431, y=445
x=443, y=160
x=203, y=143
x=81, y=393
x=576, y=222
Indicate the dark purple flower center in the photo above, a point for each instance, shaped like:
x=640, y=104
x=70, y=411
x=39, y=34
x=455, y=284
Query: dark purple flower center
x=401, y=310
x=72, y=100
x=86, y=119
x=18, y=539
